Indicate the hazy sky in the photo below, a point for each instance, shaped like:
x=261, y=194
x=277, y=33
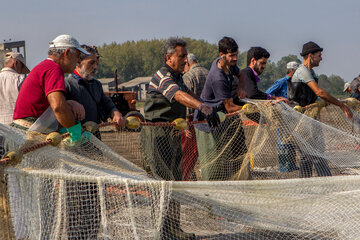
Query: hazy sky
x=282, y=27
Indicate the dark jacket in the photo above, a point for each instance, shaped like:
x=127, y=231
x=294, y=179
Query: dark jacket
x=251, y=87
x=98, y=107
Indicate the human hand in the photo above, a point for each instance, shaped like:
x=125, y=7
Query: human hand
x=213, y=119
x=205, y=108
x=77, y=109
x=241, y=93
x=347, y=111
x=281, y=99
x=76, y=135
x=119, y=119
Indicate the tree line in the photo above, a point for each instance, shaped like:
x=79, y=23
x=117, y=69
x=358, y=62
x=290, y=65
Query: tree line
x=142, y=58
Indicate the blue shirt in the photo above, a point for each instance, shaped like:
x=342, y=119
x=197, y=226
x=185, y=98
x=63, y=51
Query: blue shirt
x=218, y=84
x=279, y=88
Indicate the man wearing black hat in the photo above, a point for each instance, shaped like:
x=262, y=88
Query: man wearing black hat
x=304, y=90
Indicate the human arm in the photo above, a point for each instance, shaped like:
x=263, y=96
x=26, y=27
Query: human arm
x=241, y=92
x=230, y=106
x=119, y=119
x=327, y=97
x=61, y=109
x=191, y=102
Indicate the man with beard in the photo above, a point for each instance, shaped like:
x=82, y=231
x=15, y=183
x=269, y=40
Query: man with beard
x=256, y=61
x=211, y=141
x=83, y=88
x=83, y=202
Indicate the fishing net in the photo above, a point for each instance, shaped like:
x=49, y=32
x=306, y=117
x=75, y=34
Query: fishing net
x=267, y=172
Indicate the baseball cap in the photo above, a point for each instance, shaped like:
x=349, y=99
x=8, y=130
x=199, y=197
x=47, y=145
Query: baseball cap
x=292, y=65
x=18, y=56
x=346, y=86
x=67, y=41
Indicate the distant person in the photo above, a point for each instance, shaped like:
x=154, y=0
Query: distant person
x=347, y=88
x=257, y=58
x=212, y=141
x=304, y=89
x=81, y=86
x=11, y=78
x=355, y=88
x=194, y=78
x=286, y=151
x=279, y=88
x=166, y=100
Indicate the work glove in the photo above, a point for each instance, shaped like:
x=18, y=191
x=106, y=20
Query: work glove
x=76, y=135
x=212, y=119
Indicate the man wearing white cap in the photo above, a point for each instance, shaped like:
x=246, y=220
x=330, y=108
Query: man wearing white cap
x=347, y=88
x=45, y=87
x=279, y=88
x=11, y=77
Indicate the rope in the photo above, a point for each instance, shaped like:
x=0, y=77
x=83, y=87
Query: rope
x=160, y=124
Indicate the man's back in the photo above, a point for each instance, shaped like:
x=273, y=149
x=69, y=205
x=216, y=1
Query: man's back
x=10, y=82
x=279, y=88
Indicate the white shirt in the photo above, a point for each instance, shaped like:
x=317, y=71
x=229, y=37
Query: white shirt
x=10, y=82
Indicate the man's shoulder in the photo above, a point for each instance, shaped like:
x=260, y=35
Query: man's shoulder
x=248, y=73
x=247, y=70
x=302, y=74
x=283, y=80
x=163, y=72
x=70, y=79
x=96, y=81
x=46, y=66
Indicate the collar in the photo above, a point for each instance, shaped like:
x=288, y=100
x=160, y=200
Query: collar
x=172, y=72
x=8, y=69
x=256, y=75
x=77, y=76
x=195, y=65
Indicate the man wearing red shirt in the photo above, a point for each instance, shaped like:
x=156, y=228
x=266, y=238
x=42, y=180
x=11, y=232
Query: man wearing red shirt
x=45, y=87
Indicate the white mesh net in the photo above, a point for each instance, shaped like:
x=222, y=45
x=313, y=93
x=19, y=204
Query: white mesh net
x=98, y=190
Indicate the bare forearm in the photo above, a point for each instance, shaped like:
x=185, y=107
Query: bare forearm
x=61, y=109
x=187, y=100
x=231, y=106
x=327, y=97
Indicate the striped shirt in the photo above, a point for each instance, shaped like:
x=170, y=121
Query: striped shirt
x=166, y=82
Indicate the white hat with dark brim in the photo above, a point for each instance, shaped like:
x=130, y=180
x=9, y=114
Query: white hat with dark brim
x=67, y=41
